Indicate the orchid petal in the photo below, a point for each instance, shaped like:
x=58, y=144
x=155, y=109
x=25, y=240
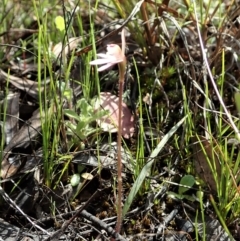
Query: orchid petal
x=105, y=56
x=115, y=50
x=114, y=55
x=99, y=61
x=111, y=58
x=105, y=61
x=106, y=66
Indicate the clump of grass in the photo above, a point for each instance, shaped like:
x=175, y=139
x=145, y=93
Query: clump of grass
x=204, y=14
x=176, y=80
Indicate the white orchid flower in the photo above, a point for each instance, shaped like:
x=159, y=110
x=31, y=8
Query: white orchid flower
x=114, y=55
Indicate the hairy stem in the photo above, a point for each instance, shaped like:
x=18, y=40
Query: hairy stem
x=122, y=67
x=119, y=164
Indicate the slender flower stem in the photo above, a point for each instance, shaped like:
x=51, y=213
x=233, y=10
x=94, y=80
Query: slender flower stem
x=122, y=67
x=119, y=162
x=116, y=55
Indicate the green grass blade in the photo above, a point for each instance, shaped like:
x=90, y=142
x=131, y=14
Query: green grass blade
x=147, y=168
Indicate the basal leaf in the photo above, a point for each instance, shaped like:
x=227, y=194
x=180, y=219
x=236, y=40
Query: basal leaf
x=72, y=114
x=186, y=183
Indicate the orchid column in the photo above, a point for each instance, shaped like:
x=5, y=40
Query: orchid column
x=116, y=55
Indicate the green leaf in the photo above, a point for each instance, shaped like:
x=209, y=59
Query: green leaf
x=75, y=180
x=60, y=23
x=180, y=196
x=175, y=195
x=189, y=198
x=68, y=94
x=72, y=114
x=147, y=168
x=186, y=183
x=85, y=107
x=99, y=114
x=80, y=168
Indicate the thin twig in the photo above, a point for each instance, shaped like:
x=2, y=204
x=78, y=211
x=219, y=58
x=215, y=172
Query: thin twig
x=56, y=235
x=13, y=204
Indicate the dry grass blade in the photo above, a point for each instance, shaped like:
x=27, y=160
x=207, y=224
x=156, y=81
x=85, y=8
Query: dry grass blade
x=128, y=19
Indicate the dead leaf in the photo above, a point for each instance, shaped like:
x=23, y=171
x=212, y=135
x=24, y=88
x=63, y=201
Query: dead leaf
x=147, y=99
x=29, y=86
x=24, y=66
x=201, y=164
x=65, y=50
x=10, y=126
x=211, y=229
x=109, y=123
x=21, y=139
x=87, y=176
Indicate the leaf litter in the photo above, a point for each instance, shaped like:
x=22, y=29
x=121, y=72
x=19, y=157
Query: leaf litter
x=23, y=157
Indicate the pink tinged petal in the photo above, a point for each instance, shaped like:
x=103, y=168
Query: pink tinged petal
x=99, y=61
x=111, y=58
x=106, y=66
x=105, y=56
x=104, y=61
x=115, y=50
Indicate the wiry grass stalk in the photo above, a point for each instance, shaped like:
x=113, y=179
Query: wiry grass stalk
x=212, y=79
x=51, y=113
x=227, y=185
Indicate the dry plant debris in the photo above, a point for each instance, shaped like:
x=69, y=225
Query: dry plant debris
x=58, y=170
